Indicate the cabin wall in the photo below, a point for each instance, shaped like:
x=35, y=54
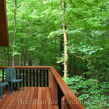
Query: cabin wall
x=4, y=39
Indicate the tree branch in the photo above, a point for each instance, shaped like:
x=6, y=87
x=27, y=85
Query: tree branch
x=83, y=58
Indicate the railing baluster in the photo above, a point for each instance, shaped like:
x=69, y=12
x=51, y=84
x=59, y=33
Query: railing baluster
x=43, y=78
x=23, y=78
x=40, y=78
x=3, y=75
x=47, y=78
x=30, y=78
x=26, y=78
x=33, y=78
x=20, y=77
x=37, y=78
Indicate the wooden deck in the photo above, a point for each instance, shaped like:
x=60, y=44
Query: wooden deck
x=44, y=89
x=30, y=98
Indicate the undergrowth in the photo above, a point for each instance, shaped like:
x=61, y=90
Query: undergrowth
x=91, y=93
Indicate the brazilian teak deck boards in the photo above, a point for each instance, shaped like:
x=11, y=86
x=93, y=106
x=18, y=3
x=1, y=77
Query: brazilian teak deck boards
x=30, y=98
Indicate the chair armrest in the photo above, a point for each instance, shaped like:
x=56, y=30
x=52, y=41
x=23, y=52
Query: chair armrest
x=2, y=77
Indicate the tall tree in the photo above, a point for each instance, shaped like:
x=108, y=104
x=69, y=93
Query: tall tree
x=61, y=50
x=14, y=32
x=4, y=54
x=65, y=40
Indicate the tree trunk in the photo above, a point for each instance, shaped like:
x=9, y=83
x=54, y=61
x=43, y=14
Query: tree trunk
x=14, y=32
x=74, y=66
x=85, y=68
x=70, y=66
x=61, y=50
x=4, y=55
x=25, y=54
x=22, y=54
x=21, y=59
x=8, y=57
x=65, y=41
x=29, y=60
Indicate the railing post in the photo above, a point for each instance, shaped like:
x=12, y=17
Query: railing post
x=53, y=86
x=64, y=104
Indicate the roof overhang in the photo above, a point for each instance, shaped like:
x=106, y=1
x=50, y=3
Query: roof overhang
x=4, y=38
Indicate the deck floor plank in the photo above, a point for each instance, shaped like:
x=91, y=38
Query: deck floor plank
x=3, y=100
x=44, y=99
x=55, y=107
x=49, y=101
x=18, y=98
x=35, y=96
x=25, y=99
x=19, y=104
x=12, y=100
x=29, y=105
x=30, y=98
x=39, y=100
x=35, y=93
x=4, y=93
x=7, y=100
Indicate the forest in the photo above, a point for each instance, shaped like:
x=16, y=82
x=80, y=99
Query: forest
x=71, y=35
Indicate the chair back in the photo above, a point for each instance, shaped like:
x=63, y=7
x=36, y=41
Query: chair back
x=10, y=72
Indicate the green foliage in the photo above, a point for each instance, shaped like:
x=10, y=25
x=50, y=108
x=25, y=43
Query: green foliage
x=3, y=64
x=39, y=26
x=91, y=93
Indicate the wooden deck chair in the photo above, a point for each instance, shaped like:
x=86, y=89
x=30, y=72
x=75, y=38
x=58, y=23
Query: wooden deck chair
x=3, y=85
x=11, y=77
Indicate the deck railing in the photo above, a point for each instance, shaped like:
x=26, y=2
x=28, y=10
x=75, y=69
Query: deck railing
x=47, y=76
